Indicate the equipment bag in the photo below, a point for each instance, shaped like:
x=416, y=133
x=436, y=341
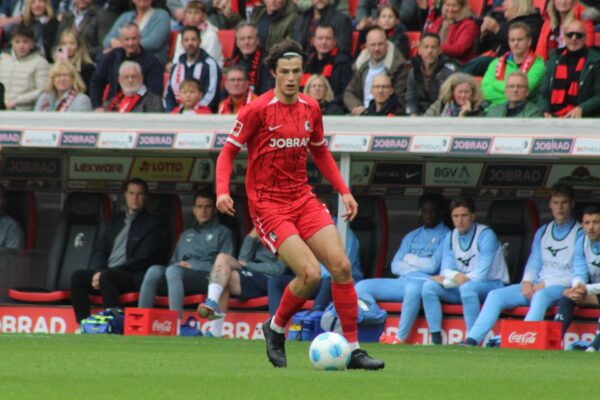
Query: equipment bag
x=110, y=320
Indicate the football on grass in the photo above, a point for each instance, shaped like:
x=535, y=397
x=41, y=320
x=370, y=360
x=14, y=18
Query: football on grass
x=329, y=351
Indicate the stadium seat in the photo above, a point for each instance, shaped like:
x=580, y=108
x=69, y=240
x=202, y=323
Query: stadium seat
x=413, y=42
x=172, y=43
x=587, y=313
x=77, y=230
x=515, y=223
x=371, y=229
x=352, y=6
x=22, y=207
x=167, y=207
x=597, y=39
x=354, y=45
x=520, y=312
x=540, y=5
x=477, y=7
x=227, y=39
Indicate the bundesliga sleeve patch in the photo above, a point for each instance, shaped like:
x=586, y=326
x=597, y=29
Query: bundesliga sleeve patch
x=237, y=128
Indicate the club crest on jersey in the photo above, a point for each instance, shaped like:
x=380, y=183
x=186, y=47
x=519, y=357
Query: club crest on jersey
x=273, y=237
x=237, y=128
x=209, y=237
x=307, y=126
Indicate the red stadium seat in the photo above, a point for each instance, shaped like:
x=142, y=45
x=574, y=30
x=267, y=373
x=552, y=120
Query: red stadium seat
x=413, y=42
x=540, y=5
x=477, y=6
x=352, y=6
x=371, y=229
x=390, y=307
x=125, y=298
x=587, y=313
x=452, y=309
x=522, y=312
x=597, y=39
x=354, y=46
x=172, y=43
x=227, y=39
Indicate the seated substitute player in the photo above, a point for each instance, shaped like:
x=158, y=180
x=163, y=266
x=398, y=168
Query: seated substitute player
x=11, y=234
x=193, y=258
x=472, y=266
x=416, y=261
x=587, y=257
x=278, y=129
x=246, y=277
x=549, y=270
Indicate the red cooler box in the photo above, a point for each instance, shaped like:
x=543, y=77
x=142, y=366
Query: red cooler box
x=150, y=321
x=538, y=335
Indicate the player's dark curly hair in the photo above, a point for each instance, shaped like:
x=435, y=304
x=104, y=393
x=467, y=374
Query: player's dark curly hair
x=278, y=50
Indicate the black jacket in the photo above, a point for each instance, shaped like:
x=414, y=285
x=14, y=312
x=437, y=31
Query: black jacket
x=266, y=81
x=341, y=23
x=143, y=243
x=417, y=99
x=500, y=40
x=391, y=108
x=340, y=75
x=107, y=73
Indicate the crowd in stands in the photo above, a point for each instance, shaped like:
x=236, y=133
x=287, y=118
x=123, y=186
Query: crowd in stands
x=439, y=58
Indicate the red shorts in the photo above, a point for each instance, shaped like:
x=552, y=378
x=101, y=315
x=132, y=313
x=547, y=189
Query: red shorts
x=305, y=220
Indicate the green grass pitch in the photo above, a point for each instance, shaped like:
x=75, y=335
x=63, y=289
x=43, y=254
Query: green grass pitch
x=116, y=367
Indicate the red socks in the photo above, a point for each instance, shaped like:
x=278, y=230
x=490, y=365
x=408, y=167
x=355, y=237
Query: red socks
x=290, y=304
x=345, y=301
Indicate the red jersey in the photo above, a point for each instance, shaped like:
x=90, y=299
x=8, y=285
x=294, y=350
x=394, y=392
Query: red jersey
x=277, y=137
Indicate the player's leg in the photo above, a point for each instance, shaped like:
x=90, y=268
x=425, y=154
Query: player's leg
x=411, y=304
x=326, y=245
x=472, y=295
x=542, y=300
x=181, y=280
x=218, y=281
x=432, y=295
x=298, y=256
x=152, y=279
x=383, y=289
x=496, y=301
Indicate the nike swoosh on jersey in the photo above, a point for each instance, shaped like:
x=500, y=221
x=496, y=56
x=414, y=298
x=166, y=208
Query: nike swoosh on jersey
x=272, y=128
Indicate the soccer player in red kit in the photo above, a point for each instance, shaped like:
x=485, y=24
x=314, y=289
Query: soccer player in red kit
x=278, y=129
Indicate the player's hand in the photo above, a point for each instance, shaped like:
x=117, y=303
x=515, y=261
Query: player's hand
x=460, y=278
x=581, y=289
x=351, y=207
x=96, y=280
x=577, y=112
x=439, y=279
x=225, y=205
x=185, y=264
x=539, y=286
x=527, y=289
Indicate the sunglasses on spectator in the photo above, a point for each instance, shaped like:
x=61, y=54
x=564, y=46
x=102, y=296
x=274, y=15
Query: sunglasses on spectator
x=575, y=35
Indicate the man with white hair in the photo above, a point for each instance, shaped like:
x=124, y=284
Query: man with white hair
x=107, y=71
x=133, y=96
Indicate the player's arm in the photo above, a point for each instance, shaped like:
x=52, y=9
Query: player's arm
x=245, y=125
x=488, y=246
x=399, y=266
x=534, y=262
x=580, y=269
x=327, y=166
x=449, y=269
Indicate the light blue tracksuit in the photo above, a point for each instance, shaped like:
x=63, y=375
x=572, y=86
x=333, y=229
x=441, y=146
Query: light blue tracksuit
x=480, y=259
x=417, y=259
x=550, y=262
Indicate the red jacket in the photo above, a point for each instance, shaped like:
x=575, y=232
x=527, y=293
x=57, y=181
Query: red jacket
x=460, y=40
x=542, y=46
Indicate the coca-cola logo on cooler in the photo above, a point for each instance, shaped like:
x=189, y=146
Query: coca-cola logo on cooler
x=522, y=338
x=162, y=326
